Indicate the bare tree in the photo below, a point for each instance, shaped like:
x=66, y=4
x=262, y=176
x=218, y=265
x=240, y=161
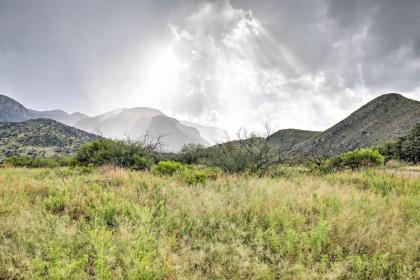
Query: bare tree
x=250, y=153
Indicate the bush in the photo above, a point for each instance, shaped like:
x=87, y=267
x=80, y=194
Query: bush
x=194, y=177
x=167, y=168
x=405, y=148
x=127, y=154
x=358, y=158
x=250, y=153
x=192, y=154
x=409, y=146
x=37, y=162
x=389, y=150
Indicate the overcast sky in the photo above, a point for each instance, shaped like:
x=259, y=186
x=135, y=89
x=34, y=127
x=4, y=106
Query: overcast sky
x=239, y=63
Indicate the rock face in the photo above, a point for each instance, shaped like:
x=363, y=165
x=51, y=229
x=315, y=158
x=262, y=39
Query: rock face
x=13, y=111
x=40, y=137
x=382, y=119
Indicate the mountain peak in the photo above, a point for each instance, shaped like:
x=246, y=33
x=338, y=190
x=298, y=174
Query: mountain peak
x=386, y=117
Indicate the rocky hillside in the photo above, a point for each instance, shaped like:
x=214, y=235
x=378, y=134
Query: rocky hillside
x=13, y=111
x=40, y=137
x=382, y=119
x=288, y=139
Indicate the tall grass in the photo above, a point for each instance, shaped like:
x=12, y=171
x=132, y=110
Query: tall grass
x=110, y=223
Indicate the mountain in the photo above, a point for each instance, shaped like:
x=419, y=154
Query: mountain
x=383, y=119
x=13, y=111
x=287, y=139
x=40, y=137
x=134, y=123
x=120, y=124
x=211, y=134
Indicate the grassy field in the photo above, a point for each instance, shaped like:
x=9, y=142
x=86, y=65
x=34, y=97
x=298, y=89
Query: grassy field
x=110, y=223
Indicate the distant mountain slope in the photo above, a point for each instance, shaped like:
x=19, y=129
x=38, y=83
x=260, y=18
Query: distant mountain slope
x=176, y=135
x=13, y=111
x=40, y=137
x=382, y=119
x=136, y=122
x=287, y=139
x=213, y=135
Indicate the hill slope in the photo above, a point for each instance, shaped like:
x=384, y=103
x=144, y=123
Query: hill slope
x=385, y=118
x=136, y=122
x=40, y=137
x=13, y=111
x=287, y=139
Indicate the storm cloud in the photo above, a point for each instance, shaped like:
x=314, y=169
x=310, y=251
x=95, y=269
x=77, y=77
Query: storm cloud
x=294, y=63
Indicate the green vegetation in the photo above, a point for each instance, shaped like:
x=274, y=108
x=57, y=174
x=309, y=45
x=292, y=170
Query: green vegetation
x=358, y=158
x=41, y=138
x=406, y=148
x=130, y=154
x=112, y=223
x=37, y=162
x=167, y=167
x=124, y=210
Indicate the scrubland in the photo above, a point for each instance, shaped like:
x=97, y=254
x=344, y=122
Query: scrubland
x=111, y=223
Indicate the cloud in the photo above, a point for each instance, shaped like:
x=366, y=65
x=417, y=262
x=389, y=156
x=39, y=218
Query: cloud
x=231, y=63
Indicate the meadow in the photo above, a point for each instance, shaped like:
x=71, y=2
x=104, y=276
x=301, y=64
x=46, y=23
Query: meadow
x=112, y=223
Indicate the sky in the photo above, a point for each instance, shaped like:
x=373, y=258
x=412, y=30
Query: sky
x=229, y=63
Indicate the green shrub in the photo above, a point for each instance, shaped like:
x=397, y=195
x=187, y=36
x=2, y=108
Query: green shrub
x=356, y=159
x=409, y=146
x=126, y=154
x=167, y=167
x=194, y=177
x=192, y=154
x=405, y=148
x=37, y=162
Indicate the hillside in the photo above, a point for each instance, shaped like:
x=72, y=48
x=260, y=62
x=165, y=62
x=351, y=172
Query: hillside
x=13, y=111
x=136, y=122
x=383, y=119
x=287, y=139
x=40, y=137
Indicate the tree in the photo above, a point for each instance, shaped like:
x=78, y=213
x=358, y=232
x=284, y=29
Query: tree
x=409, y=146
x=250, y=153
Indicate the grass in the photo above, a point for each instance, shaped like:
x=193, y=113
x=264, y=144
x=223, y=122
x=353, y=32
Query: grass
x=109, y=223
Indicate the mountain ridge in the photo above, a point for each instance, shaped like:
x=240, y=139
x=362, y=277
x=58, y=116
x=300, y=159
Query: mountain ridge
x=382, y=119
x=41, y=137
x=13, y=111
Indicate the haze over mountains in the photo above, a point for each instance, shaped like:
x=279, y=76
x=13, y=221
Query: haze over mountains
x=134, y=123
x=122, y=123
x=381, y=120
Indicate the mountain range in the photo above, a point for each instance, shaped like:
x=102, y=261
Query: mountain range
x=133, y=123
x=383, y=119
x=13, y=111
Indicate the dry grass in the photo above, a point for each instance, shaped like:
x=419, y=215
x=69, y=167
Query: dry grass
x=111, y=223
